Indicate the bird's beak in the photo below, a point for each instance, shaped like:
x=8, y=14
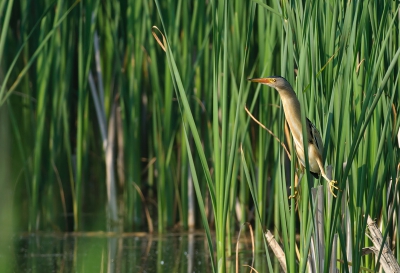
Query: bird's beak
x=261, y=80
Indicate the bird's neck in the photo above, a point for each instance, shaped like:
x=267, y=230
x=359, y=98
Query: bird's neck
x=289, y=100
x=291, y=107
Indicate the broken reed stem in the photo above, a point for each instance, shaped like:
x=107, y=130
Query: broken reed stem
x=387, y=259
x=318, y=197
x=276, y=248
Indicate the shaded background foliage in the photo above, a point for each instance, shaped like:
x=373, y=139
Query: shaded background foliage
x=58, y=168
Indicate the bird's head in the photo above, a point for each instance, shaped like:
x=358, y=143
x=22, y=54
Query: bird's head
x=277, y=82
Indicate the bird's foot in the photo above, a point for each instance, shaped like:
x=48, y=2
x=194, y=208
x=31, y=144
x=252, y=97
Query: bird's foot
x=332, y=187
x=295, y=194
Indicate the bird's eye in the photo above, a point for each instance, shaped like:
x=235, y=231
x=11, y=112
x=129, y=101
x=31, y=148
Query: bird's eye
x=273, y=80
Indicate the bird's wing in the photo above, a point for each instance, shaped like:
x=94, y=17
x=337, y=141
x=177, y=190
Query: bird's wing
x=315, y=137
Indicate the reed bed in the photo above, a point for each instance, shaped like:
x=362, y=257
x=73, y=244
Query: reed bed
x=133, y=112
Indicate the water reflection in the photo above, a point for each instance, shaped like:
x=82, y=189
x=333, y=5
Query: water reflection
x=101, y=252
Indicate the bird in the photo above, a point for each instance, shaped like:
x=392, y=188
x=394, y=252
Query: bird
x=291, y=108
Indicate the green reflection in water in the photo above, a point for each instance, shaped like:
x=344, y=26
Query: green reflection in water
x=98, y=252
x=134, y=252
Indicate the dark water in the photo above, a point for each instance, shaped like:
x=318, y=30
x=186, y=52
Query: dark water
x=100, y=252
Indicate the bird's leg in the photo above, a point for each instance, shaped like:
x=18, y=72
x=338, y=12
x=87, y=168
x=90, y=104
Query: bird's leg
x=298, y=177
x=332, y=183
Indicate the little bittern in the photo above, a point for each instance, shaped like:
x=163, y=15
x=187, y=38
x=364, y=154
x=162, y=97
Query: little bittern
x=291, y=108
